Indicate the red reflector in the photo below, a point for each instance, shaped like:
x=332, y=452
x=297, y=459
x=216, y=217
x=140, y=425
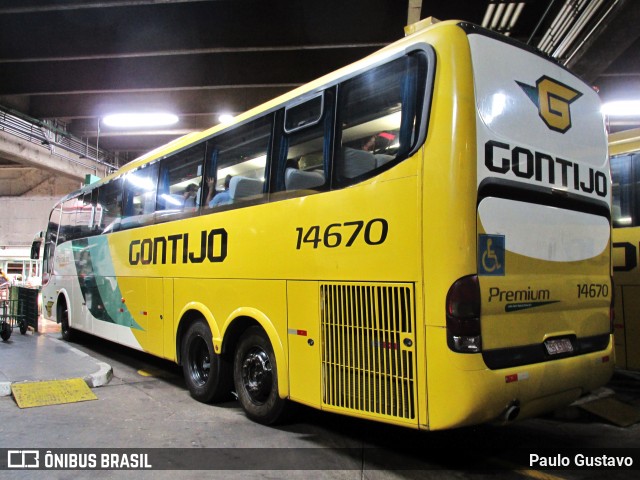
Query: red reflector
x=511, y=378
x=302, y=333
x=605, y=359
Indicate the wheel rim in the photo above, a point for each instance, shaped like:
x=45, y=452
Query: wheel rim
x=199, y=361
x=257, y=375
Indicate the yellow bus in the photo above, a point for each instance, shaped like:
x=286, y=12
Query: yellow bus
x=624, y=148
x=420, y=238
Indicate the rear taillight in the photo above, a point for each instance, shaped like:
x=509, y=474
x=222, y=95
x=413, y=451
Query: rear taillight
x=463, y=315
x=612, y=311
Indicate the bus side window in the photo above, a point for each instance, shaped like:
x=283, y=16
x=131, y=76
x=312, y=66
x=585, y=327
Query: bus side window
x=68, y=220
x=109, y=206
x=84, y=217
x=378, y=112
x=240, y=165
x=180, y=181
x=139, y=201
x=51, y=240
x=305, y=140
x=625, y=172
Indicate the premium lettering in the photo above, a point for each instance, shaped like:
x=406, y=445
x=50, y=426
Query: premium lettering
x=527, y=295
x=180, y=248
x=502, y=158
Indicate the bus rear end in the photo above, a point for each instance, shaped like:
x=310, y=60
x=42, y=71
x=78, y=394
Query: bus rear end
x=537, y=307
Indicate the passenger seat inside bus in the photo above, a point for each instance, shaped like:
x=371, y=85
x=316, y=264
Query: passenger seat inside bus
x=295, y=179
x=242, y=187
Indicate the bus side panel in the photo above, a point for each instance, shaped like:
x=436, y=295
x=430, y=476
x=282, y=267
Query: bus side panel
x=169, y=321
x=626, y=277
x=304, y=342
x=449, y=163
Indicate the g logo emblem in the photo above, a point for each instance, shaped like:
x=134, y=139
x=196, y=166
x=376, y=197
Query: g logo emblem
x=552, y=99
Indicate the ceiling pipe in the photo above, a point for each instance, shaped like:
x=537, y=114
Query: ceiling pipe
x=414, y=11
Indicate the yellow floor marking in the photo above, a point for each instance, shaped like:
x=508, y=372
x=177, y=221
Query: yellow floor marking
x=53, y=392
x=151, y=372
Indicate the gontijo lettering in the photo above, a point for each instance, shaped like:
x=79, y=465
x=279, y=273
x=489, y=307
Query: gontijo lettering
x=176, y=249
x=501, y=158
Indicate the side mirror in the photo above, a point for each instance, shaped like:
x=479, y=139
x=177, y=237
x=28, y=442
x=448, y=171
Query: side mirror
x=35, y=249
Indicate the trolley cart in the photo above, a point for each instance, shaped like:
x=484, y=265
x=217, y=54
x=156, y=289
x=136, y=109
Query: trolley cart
x=11, y=312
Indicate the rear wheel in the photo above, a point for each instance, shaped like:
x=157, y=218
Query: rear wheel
x=207, y=375
x=255, y=376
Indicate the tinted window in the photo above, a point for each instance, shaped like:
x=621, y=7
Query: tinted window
x=108, y=206
x=179, y=185
x=625, y=174
x=84, y=216
x=303, y=114
x=378, y=113
x=139, y=201
x=68, y=229
x=306, y=149
x=238, y=161
x=51, y=239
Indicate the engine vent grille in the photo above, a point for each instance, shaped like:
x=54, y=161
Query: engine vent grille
x=368, y=348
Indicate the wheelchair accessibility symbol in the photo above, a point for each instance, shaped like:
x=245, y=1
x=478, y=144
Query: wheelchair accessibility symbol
x=491, y=255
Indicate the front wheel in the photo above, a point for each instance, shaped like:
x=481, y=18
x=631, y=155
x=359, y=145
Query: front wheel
x=207, y=375
x=255, y=375
x=66, y=331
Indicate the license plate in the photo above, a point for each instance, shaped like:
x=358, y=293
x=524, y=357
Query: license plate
x=556, y=346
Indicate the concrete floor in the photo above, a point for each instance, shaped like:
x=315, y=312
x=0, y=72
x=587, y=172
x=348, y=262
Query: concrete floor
x=146, y=406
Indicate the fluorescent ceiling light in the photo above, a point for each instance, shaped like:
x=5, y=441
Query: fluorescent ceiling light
x=622, y=109
x=133, y=120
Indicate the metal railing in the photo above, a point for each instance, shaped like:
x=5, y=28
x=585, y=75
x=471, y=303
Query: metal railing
x=49, y=135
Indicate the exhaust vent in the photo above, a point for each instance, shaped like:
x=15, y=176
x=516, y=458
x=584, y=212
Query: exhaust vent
x=368, y=348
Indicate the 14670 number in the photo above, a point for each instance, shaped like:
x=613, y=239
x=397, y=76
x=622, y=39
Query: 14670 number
x=593, y=290
x=374, y=232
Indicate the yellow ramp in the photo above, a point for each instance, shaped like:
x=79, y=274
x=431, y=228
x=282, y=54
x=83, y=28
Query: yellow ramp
x=53, y=392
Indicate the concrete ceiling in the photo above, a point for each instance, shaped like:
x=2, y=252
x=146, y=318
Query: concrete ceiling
x=71, y=62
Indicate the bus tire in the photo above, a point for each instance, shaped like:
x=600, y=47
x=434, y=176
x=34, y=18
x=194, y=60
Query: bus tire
x=66, y=331
x=208, y=376
x=255, y=376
